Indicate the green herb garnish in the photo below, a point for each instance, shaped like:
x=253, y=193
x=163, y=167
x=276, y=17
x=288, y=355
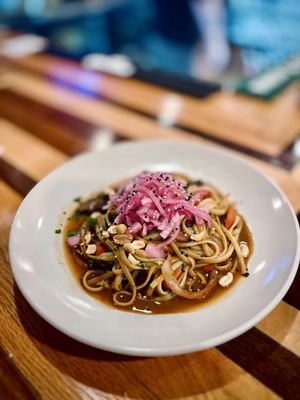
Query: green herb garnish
x=91, y=221
x=143, y=266
x=77, y=199
x=71, y=232
x=76, y=216
x=58, y=231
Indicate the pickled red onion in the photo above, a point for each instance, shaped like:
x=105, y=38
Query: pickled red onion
x=156, y=200
x=73, y=240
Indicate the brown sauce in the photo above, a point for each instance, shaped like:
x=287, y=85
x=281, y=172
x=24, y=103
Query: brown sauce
x=175, y=305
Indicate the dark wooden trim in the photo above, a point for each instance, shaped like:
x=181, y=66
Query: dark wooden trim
x=67, y=133
x=182, y=84
x=55, y=128
x=15, y=178
x=266, y=360
x=293, y=295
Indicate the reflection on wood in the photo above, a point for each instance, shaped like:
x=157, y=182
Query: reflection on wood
x=257, y=124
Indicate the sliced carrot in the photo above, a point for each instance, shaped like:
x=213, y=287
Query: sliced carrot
x=202, y=194
x=177, y=275
x=230, y=217
x=208, y=267
x=100, y=250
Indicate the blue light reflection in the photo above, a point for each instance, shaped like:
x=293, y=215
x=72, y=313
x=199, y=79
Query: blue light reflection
x=85, y=82
x=280, y=265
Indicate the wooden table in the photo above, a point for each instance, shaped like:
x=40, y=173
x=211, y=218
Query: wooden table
x=51, y=109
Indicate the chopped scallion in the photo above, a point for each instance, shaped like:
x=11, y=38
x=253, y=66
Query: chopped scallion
x=76, y=216
x=91, y=221
x=71, y=232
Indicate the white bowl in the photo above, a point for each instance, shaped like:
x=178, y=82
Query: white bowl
x=47, y=283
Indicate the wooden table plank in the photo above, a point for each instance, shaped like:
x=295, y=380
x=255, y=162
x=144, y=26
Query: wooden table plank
x=264, y=358
x=67, y=133
x=29, y=154
x=18, y=180
x=12, y=385
x=253, y=123
x=295, y=173
x=283, y=325
x=126, y=123
x=205, y=374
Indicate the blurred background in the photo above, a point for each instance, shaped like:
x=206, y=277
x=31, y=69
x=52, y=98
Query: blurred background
x=221, y=42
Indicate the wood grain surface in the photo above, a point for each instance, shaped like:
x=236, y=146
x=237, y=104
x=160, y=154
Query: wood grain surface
x=45, y=119
x=257, y=124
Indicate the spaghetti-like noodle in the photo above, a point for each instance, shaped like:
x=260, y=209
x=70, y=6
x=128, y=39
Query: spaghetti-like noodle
x=156, y=237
